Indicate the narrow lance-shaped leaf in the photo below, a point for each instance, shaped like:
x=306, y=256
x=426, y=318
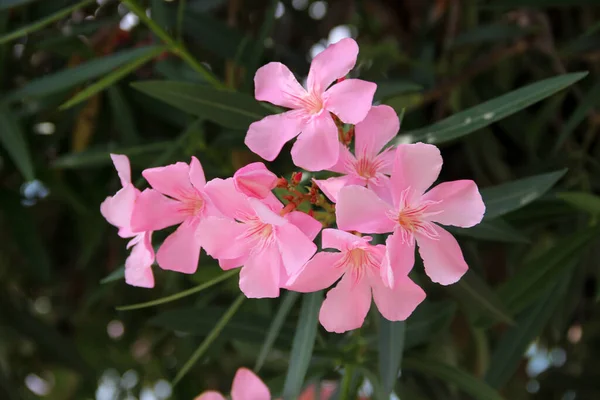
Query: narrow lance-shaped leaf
x=496, y=230
x=484, y=114
x=391, y=348
x=502, y=199
x=587, y=202
x=13, y=140
x=302, y=348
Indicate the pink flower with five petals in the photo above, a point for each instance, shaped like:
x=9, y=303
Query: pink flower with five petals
x=186, y=204
x=317, y=146
x=246, y=386
x=358, y=264
x=413, y=215
x=369, y=166
x=253, y=234
x=117, y=210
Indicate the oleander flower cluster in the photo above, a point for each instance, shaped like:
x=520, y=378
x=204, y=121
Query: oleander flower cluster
x=379, y=189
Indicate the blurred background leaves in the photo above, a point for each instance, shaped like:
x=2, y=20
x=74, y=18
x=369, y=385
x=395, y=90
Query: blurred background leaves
x=508, y=89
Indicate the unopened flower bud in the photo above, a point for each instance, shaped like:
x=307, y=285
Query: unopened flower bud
x=255, y=180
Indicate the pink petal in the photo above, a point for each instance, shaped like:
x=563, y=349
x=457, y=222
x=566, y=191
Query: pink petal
x=379, y=127
x=227, y=264
x=181, y=250
x=382, y=186
x=344, y=162
x=385, y=160
x=332, y=186
x=276, y=84
x=307, y=224
x=210, y=396
x=442, y=257
x=319, y=273
x=397, y=304
x=220, y=238
x=295, y=248
x=226, y=199
x=172, y=180
x=121, y=163
x=265, y=213
x=138, y=266
x=118, y=209
x=248, y=386
x=398, y=261
x=255, y=180
x=197, y=174
x=259, y=277
x=317, y=148
x=153, y=211
x=359, y=209
x=350, y=100
x=337, y=239
x=346, y=305
x=460, y=203
x=416, y=167
x=332, y=63
x=267, y=136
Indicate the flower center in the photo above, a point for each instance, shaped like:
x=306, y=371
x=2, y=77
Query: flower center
x=366, y=168
x=261, y=232
x=193, y=205
x=313, y=103
x=358, y=261
x=412, y=218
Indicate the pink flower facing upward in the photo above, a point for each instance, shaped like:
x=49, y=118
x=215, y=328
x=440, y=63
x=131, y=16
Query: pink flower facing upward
x=317, y=146
x=186, y=204
x=358, y=263
x=367, y=167
x=117, y=210
x=246, y=386
x=253, y=234
x=413, y=213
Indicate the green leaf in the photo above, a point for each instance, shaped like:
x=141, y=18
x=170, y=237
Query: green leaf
x=509, y=351
x=182, y=294
x=123, y=116
x=26, y=234
x=480, y=298
x=6, y=4
x=117, y=275
x=12, y=139
x=302, y=347
x=490, y=33
x=496, y=230
x=69, y=77
x=387, y=89
x=111, y=78
x=587, y=202
x=214, y=334
x=283, y=311
x=391, y=348
x=502, y=199
x=230, y=109
x=101, y=157
x=462, y=379
x=43, y=22
x=428, y=320
x=533, y=279
x=484, y=114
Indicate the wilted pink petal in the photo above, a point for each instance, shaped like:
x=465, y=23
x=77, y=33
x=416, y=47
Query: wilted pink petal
x=457, y=203
x=360, y=209
x=442, y=257
x=398, y=303
x=255, y=180
x=276, y=84
x=350, y=100
x=138, y=266
x=346, y=305
x=332, y=63
x=317, y=147
x=267, y=136
x=248, y=386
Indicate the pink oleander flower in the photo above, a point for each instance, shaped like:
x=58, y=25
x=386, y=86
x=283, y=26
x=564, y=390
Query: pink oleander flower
x=186, y=204
x=317, y=146
x=369, y=166
x=251, y=233
x=358, y=264
x=246, y=386
x=255, y=180
x=413, y=215
x=117, y=210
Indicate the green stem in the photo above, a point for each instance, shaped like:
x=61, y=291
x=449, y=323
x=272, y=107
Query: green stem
x=210, y=338
x=180, y=295
x=180, y=12
x=42, y=23
x=176, y=48
x=345, y=385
